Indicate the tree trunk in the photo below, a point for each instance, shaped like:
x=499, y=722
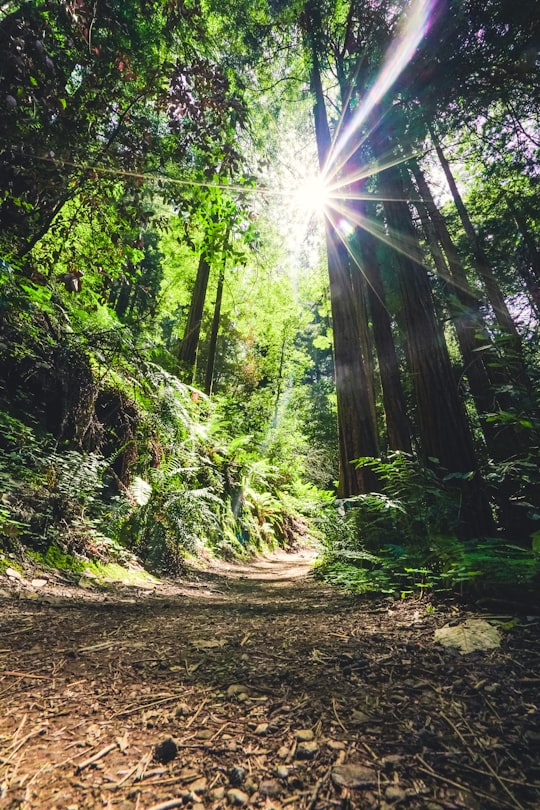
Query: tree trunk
x=187, y=353
x=357, y=432
x=495, y=296
x=443, y=426
x=397, y=422
x=212, y=346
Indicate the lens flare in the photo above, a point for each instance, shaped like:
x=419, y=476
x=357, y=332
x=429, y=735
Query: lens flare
x=412, y=30
x=312, y=195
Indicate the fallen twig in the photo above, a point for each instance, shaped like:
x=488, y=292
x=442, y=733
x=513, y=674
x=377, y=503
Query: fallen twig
x=100, y=754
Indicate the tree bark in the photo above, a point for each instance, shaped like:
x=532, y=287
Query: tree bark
x=444, y=431
x=397, y=422
x=212, y=346
x=495, y=296
x=187, y=353
x=357, y=432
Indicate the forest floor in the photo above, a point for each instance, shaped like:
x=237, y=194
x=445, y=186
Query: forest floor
x=254, y=685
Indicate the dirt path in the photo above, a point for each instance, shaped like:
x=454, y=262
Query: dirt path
x=255, y=685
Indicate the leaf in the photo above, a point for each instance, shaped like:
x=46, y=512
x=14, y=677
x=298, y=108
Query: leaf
x=471, y=635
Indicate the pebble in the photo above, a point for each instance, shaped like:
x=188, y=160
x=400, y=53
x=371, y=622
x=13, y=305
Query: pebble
x=394, y=793
x=217, y=794
x=283, y=752
x=237, y=797
x=12, y=574
x=261, y=729
x=353, y=776
x=306, y=750
x=270, y=788
x=250, y=785
x=336, y=745
x=237, y=689
x=304, y=735
x=199, y=786
x=205, y=734
x=237, y=775
x=282, y=771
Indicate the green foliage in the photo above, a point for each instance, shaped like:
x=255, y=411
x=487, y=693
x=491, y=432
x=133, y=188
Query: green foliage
x=401, y=540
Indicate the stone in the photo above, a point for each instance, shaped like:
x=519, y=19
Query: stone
x=261, y=729
x=199, y=786
x=205, y=734
x=306, y=750
x=237, y=775
x=394, y=794
x=282, y=771
x=217, y=794
x=336, y=745
x=237, y=689
x=250, y=785
x=270, y=788
x=13, y=574
x=283, y=752
x=353, y=776
x=304, y=735
x=237, y=797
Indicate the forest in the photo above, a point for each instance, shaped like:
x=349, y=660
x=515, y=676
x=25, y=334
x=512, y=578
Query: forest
x=270, y=291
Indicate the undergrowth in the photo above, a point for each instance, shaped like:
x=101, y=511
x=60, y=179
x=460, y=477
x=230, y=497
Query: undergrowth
x=403, y=540
x=105, y=455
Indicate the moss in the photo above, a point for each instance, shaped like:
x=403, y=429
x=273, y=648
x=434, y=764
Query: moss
x=116, y=572
x=54, y=557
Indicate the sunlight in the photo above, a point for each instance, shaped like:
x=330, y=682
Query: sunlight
x=312, y=195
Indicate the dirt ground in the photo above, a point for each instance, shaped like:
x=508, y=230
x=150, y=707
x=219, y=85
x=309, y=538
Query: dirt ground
x=254, y=685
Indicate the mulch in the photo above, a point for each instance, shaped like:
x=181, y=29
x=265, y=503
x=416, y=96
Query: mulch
x=257, y=686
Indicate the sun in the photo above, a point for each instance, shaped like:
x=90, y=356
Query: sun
x=312, y=195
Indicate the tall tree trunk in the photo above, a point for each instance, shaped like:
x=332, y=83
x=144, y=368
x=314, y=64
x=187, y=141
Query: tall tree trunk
x=397, y=422
x=212, y=346
x=487, y=375
x=357, y=433
x=531, y=275
x=495, y=296
x=187, y=353
x=444, y=430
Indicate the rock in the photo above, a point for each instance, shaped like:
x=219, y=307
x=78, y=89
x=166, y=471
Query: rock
x=336, y=745
x=182, y=710
x=165, y=751
x=270, y=788
x=205, y=734
x=282, y=771
x=237, y=775
x=283, y=752
x=261, y=729
x=304, y=735
x=394, y=794
x=237, y=689
x=306, y=750
x=199, y=786
x=250, y=785
x=217, y=794
x=12, y=574
x=38, y=583
x=353, y=776
x=237, y=797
